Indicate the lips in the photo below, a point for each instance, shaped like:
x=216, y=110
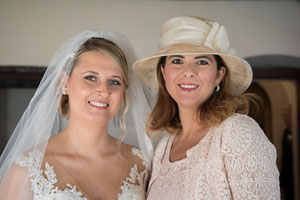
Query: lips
x=99, y=104
x=188, y=87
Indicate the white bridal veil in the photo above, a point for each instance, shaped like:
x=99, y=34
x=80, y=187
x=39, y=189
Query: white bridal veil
x=41, y=120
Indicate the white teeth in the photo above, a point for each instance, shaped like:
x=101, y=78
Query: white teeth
x=188, y=86
x=101, y=105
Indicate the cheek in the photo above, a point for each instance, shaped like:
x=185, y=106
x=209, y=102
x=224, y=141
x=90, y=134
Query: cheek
x=78, y=90
x=121, y=96
x=76, y=98
x=118, y=97
x=170, y=83
x=169, y=76
x=209, y=77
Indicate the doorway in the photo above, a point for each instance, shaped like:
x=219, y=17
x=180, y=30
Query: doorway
x=276, y=78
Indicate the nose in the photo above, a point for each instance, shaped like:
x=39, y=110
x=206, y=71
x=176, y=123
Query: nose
x=189, y=71
x=103, y=90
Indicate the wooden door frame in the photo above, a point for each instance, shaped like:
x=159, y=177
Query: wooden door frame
x=283, y=73
x=21, y=76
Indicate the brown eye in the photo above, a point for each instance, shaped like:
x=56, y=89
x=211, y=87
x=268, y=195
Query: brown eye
x=202, y=62
x=177, y=61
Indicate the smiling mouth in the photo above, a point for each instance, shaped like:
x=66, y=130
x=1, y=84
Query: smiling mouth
x=98, y=104
x=188, y=86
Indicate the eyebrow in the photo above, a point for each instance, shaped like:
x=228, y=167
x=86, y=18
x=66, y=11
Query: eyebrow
x=90, y=72
x=113, y=76
x=198, y=57
x=118, y=77
x=174, y=56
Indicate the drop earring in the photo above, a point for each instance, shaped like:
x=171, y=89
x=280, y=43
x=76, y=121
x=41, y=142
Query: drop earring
x=217, y=88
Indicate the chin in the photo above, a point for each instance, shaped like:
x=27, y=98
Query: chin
x=100, y=119
x=188, y=104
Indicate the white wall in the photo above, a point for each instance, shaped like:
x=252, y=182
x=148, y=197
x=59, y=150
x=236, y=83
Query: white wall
x=31, y=30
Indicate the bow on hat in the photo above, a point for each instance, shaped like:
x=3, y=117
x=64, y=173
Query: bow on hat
x=195, y=32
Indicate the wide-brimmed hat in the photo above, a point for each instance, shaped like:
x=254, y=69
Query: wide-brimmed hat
x=195, y=35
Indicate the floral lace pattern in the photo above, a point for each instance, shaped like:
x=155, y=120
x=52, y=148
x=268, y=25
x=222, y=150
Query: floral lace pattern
x=134, y=187
x=233, y=161
x=42, y=186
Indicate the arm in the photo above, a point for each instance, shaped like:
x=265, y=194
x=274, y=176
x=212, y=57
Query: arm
x=250, y=161
x=16, y=184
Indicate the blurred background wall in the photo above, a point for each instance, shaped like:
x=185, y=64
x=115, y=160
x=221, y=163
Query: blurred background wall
x=32, y=30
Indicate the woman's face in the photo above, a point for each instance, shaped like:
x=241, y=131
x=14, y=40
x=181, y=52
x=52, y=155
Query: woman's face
x=95, y=88
x=191, y=79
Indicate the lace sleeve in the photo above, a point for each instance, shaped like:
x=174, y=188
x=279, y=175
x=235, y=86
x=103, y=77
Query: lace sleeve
x=16, y=184
x=250, y=160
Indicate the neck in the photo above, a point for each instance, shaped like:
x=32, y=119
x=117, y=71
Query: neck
x=88, y=138
x=190, y=125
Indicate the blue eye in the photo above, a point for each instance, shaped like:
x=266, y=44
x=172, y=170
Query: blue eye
x=202, y=62
x=177, y=61
x=90, y=78
x=114, y=82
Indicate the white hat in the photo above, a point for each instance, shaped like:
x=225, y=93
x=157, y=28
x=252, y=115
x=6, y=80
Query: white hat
x=195, y=35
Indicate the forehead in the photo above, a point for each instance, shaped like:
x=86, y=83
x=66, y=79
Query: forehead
x=97, y=61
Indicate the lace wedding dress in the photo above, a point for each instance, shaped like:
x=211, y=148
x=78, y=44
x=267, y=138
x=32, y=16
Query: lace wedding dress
x=43, y=181
x=233, y=161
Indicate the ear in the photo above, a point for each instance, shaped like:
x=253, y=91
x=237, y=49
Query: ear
x=220, y=74
x=64, y=82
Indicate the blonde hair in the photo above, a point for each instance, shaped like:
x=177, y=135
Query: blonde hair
x=110, y=49
x=220, y=106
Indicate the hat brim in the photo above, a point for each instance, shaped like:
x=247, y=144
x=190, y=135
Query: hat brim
x=239, y=69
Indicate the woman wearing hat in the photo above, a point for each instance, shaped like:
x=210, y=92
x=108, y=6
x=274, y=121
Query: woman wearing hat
x=213, y=149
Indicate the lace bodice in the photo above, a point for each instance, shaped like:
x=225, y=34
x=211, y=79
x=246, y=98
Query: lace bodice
x=233, y=161
x=43, y=181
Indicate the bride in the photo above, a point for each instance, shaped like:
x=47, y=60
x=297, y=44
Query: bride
x=90, y=83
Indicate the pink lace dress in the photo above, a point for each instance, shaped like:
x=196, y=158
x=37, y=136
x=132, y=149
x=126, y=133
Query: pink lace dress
x=233, y=161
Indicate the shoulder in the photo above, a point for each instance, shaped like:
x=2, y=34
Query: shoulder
x=241, y=133
x=134, y=156
x=30, y=158
x=161, y=148
x=240, y=124
x=16, y=179
x=163, y=143
x=240, y=120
